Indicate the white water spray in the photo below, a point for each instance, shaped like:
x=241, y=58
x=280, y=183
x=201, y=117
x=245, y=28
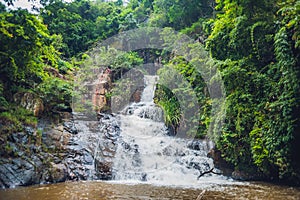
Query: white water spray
x=146, y=153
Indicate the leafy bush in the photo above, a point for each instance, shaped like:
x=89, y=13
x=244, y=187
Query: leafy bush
x=170, y=105
x=56, y=94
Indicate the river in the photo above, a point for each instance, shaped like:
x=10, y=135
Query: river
x=100, y=190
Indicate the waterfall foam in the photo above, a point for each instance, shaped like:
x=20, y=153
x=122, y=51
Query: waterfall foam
x=145, y=152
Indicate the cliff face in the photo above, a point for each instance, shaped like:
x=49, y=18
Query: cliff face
x=32, y=156
x=57, y=148
x=76, y=148
x=100, y=88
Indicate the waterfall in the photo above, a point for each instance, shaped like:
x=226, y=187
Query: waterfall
x=148, y=93
x=145, y=152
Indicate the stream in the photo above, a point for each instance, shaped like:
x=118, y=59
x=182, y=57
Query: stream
x=133, y=152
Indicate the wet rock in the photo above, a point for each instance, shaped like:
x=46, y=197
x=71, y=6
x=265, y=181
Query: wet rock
x=108, y=134
x=58, y=172
x=112, y=135
x=104, y=170
x=29, y=130
x=88, y=159
x=77, y=170
x=75, y=150
x=219, y=162
x=195, y=145
x=70, y=127
x=167, y=151
x=18, y=172
x=144, y=177
x=13, y=147
x=126, y=146
x=246, y=176
x=34, y=149
x=19, y=137
x=137, y=94
x=136, y=148
x=57, y=137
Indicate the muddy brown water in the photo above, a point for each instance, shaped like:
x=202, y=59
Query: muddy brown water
x=98, y=190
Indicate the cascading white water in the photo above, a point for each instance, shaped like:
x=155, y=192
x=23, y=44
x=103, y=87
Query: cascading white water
x=145, y=151
x=148, y=93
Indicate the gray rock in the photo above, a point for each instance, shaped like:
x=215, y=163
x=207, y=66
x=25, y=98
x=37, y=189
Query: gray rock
x=70, y=127
x=19, y=137
x=65, y=153
x=19, y=172
x=58, y=172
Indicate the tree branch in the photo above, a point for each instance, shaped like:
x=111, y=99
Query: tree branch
x=207, y=172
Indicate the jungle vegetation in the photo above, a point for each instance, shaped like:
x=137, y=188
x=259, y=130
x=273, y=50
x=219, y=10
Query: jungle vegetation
x=254, y=44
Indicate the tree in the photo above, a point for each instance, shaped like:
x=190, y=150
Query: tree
x=82, y=23
x=179, y=14
x=25, y=47
x=27, y=51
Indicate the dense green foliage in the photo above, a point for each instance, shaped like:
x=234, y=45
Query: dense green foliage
x=179, y=14
x=25, y=47
x=182, y=93
x=255, y=45
x=258, y=44
x=81, y=23
x=171, y=107
x=27, y=53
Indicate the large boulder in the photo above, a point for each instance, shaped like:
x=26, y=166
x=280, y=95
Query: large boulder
x=137, y=95
x=20, y=171
x=58, y=172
